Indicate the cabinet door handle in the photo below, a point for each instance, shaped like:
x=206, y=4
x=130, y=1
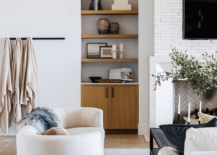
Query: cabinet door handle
x=106, y=92
x=113, y=90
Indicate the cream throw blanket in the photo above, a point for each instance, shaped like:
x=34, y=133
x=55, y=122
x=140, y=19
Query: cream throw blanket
x=30, y=82
x=19, y=81
x=17, y=77
x=5, y=88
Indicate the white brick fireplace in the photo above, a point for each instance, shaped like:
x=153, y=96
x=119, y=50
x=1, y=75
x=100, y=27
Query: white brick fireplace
x=168, y=30
x=161, y=101
x=167, y=24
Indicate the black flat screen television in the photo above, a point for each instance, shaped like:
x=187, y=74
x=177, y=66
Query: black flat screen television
x=200, y=19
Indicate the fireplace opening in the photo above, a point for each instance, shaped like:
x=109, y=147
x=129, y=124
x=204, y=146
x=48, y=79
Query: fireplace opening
x=188, y=95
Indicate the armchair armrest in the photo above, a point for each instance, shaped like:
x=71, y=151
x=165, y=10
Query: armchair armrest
x=30, y=143
x=204, y=153
x=200, y=139
x=80, y=117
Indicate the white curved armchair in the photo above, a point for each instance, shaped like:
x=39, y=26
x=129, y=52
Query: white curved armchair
x=85, y=126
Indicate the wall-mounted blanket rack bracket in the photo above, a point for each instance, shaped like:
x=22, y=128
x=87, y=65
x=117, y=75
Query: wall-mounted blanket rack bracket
x=40, y=38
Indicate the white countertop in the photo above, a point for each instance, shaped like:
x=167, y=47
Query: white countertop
x=127, y=83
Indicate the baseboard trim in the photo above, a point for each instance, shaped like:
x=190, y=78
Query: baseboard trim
x=147, y=137
x=142, y=129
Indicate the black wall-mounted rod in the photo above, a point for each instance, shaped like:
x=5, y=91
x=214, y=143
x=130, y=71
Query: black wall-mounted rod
x=40, y=38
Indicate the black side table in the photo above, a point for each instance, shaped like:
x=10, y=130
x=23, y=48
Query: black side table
x=158, y=135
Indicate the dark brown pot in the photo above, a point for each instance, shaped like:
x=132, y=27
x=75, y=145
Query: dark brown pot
x=114, y=28
x=103, y=26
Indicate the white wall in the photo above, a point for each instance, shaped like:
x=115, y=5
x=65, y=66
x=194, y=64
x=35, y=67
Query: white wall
x=145, y=51
x=168, y=30
x=59, y=61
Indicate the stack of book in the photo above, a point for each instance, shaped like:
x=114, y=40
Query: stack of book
x=121, y=5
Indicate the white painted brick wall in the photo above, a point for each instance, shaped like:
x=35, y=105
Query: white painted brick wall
x=168, y=30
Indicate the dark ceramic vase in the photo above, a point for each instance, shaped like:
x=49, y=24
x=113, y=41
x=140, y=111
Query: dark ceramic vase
x=103, y=26
x=91, y=5
x=114, y=28
x=100, y=5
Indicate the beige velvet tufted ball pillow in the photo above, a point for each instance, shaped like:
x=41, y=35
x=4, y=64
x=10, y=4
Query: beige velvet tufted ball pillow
x=56, y=131
x=192, y=120
x=205, y=118
x=168, y=151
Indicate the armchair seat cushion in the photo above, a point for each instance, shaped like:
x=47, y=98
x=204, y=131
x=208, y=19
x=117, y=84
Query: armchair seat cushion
x=81, y=130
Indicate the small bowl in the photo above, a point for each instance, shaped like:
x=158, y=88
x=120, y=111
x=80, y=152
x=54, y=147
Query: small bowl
x=94, y=79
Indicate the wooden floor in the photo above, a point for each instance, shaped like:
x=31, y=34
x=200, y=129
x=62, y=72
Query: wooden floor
x=8, y=145
x=125, y=141
x=112, y=140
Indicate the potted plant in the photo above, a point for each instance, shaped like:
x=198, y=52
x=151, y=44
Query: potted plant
x=201, y=76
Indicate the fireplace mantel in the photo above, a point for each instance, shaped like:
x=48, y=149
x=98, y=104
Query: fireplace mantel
x=161, y=101
x=165, y=115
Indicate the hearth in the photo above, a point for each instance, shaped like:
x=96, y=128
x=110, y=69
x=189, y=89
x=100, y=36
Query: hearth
x=209, y=103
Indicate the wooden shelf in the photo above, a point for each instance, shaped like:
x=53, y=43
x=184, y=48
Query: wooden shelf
x=109, y=12
x=109, y=60
x=109, y=36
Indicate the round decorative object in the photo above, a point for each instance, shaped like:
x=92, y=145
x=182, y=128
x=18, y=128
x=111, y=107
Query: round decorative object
x=103, y=26
x=56, y=131
x=114, y=28
x=95, y=79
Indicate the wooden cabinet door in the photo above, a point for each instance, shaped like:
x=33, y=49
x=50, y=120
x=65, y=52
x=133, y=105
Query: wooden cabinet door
x=97, y=97
x=124, y=107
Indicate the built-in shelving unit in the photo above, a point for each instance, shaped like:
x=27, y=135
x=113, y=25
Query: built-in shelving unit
x=109, y=36
x=109, y=60
x=111, y=97
x=109, y=12
x=128, y=35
